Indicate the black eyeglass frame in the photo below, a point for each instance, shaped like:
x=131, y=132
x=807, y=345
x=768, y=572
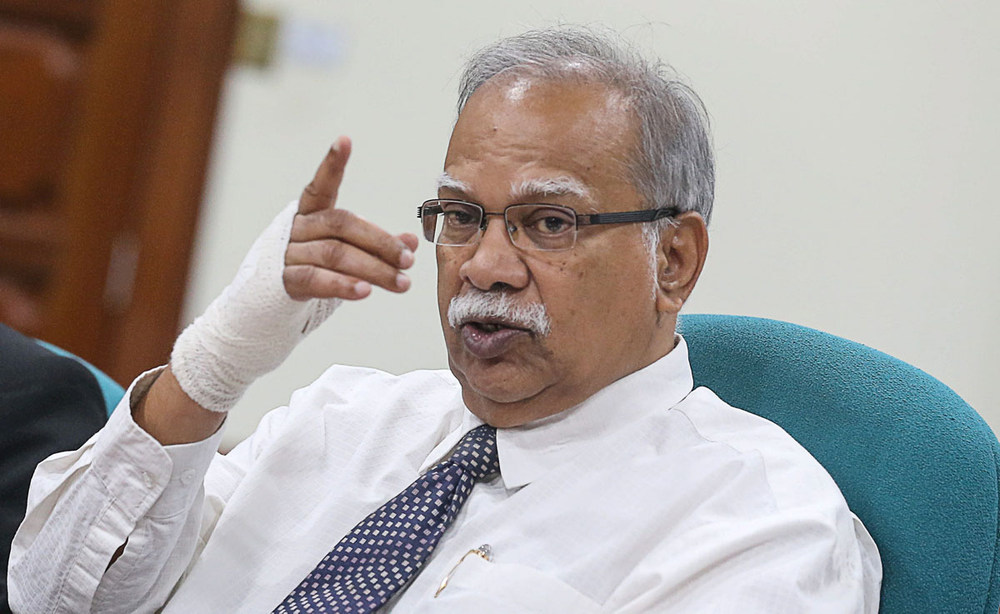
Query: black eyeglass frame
x=589, y=219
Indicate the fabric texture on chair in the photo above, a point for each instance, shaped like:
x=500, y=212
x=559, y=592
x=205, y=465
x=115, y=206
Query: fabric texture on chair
x=915, y=462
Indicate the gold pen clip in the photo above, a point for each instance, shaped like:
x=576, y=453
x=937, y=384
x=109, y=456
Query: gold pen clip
x=484, y=552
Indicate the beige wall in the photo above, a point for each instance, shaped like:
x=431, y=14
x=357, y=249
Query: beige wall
x=858, y=145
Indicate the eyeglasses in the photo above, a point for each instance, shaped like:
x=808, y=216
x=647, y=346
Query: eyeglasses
x=530, y=226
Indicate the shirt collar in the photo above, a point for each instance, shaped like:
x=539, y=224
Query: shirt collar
x=527, y=451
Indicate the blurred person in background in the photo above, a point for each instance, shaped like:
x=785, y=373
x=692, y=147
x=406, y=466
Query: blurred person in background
x=48, y=403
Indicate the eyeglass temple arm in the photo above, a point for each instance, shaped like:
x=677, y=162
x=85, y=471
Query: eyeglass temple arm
x=647, y=215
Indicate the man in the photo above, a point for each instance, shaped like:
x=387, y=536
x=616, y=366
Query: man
x=48, y=403
x=563, y=465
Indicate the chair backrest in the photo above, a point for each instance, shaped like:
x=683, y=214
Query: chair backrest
x=111, y=390
x=914, y=461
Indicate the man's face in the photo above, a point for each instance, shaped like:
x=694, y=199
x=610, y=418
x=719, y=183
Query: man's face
x=524, y=141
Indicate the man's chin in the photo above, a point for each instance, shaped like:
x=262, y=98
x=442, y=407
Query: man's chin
x=500, y=414
x=506, y=382
x=499, y=397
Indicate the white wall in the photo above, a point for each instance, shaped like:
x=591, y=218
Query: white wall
x=858, y=148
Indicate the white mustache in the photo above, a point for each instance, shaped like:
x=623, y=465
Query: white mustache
x=477, y=305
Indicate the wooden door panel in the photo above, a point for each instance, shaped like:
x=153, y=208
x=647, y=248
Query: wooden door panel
x=41, y=71
x=106, y=116
x=40, y=74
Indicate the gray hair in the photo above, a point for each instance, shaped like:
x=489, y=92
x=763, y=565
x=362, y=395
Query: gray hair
x=673, y=165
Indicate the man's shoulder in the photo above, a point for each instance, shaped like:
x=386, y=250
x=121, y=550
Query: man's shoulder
x=719, y=421
x=39, y=381
x=793, y=476
x=24, y=357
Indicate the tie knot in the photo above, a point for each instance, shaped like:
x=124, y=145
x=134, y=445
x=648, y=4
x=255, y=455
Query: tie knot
x=477, y=452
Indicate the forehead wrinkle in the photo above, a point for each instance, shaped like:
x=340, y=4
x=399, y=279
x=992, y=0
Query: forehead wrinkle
x=549, y=187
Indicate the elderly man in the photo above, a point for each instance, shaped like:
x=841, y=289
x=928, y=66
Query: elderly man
x=563, y=465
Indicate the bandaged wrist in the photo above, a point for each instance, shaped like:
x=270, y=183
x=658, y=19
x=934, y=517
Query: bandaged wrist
x=250, y=328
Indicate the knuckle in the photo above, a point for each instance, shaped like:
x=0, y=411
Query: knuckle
x=332, y=253
x=310, y=189
x=337, y=219
x=300, y=224
x=313, y=191
x=296, y=279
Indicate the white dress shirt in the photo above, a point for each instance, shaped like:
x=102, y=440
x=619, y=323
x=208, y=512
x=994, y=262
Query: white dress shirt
x=647, y=497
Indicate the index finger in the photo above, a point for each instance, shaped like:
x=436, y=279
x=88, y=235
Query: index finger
x=321, y=192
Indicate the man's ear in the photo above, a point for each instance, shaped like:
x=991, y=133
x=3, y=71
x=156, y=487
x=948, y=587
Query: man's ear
x=679, y=260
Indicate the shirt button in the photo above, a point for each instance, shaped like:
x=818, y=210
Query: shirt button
x=187, y=476
x=147, y=479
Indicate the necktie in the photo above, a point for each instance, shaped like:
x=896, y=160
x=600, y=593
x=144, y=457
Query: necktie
x=386, y=549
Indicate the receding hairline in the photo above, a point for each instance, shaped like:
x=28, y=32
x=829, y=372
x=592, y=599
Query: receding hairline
x=672, y=162
x=591, y=54
x=572, y=71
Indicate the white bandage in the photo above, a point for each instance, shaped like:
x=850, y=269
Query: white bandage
x=250, y=328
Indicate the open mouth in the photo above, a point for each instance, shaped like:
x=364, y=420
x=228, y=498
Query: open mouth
x=492, y=327
x=486, y=340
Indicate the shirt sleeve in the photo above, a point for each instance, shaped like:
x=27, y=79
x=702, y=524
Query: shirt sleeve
x=120, y=487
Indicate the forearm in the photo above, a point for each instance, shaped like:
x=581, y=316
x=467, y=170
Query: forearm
x=303, y=264
x=170, y=416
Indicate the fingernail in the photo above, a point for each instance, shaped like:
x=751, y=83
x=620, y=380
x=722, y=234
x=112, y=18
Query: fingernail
x=406, y=258
x=402, y=281
x=362, y=288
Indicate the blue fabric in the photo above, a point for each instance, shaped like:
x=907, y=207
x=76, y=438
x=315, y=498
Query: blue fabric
x=109, y=388
x=916, y=463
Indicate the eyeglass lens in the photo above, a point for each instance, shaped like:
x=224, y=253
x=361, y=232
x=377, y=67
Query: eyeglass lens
x=541, y=227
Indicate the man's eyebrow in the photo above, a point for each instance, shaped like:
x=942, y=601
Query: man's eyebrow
x=533, y=189
x=447, y=182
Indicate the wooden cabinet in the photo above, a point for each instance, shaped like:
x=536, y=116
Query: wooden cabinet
x=106, y=116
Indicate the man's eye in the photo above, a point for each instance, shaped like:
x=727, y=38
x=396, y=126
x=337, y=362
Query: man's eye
x=555, y=224
x=458, y=218
x=549, y=223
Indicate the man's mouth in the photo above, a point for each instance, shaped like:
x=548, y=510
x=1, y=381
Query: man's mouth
x=490, y=339
x=490, y=327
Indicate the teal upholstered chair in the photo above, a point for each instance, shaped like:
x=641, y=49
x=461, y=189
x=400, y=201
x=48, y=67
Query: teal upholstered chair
x=109, y=388
x=915, y=462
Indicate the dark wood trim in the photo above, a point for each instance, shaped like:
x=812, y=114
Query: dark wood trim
x=131, y=190
x=94, y=197
x=191, y=76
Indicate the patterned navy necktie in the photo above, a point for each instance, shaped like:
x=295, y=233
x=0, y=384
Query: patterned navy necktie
x=386, y=549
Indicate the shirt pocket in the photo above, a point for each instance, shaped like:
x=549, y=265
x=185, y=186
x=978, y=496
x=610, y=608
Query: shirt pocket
x=485, y=587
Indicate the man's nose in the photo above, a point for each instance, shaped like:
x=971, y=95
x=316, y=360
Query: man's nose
x=496, y=261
